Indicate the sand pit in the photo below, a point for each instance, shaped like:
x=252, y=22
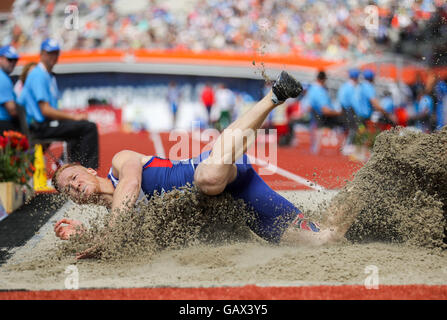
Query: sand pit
x=36, y=266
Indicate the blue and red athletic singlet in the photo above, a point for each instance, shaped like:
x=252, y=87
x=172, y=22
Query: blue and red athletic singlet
x=273, y=212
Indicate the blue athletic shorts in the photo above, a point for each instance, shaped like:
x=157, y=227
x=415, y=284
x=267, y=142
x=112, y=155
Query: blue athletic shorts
x=273, y=213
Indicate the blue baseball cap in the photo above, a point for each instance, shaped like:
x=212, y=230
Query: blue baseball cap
x=368, y=74
x=354, y=73
x=50, y=45
x=9, y=52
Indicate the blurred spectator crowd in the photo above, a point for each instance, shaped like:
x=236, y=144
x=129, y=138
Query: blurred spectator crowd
x=333, y=29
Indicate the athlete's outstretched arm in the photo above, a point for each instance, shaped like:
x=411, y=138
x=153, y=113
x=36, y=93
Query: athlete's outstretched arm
x=127, y=167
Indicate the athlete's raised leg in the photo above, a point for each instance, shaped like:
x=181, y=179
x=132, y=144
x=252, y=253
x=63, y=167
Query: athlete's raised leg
x=218, y=170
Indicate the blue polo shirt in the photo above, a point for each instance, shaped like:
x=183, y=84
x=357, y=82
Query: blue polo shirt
x=441, y=106
x=318, y=97
x=363, y=106
x=346, y=94
x=387, y=104
x=424, y=104
x=6, y=94
x=39, y=86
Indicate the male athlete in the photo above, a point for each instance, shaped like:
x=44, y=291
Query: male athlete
x=134, y=174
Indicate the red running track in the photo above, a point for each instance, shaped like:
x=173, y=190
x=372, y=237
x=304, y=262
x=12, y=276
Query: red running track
x=249, y=292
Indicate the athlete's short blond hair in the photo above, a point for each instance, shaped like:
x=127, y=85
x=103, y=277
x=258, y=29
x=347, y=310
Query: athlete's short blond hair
x=58, y=172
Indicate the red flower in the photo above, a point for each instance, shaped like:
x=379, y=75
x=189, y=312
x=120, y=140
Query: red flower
x=24, y=144
x=3, y=142
x=29, y=172
x=13, y=134
x=16, y=163
x=14, y=142
x=13, y=160
x=16, y=139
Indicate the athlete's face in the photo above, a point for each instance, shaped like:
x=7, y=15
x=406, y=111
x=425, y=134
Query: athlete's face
x=79, y=183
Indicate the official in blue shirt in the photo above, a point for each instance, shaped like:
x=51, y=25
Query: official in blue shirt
x=324, y=114
x=387, y=102
x=366, y=102
x=40, y=98
x=345, y=97
x=423, y=110
x=8, y=61
x=346, y=92
x=440, y=103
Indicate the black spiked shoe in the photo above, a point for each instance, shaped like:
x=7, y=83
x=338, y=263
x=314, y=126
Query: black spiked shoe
x=285, y=87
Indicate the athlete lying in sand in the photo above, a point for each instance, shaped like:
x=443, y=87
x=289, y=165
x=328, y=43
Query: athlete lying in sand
x=134, y=175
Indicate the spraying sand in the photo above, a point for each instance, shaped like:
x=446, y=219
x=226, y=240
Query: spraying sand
x=400, y=195
x=174, y=220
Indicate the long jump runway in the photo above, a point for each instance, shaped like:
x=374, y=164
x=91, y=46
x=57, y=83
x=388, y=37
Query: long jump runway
x=247, y=270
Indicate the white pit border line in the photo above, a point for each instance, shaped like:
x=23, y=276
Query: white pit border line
x=287, y=174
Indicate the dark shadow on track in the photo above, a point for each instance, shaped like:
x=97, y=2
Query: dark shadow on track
x=22, y=224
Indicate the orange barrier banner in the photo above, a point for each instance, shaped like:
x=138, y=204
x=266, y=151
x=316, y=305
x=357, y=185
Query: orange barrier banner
x=182, y=56
x=225, y=58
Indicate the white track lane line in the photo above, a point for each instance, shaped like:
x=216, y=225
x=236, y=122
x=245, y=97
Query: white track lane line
x=282, y=172
x=287, y=174
x=158, y=144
